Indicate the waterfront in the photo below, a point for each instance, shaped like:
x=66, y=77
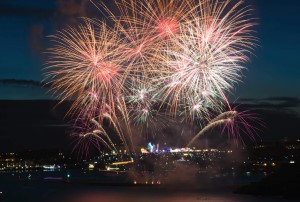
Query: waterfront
x=204, y=175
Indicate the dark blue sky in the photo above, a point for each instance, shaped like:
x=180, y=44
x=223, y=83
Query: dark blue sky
x=273, y=72
x=271, y=85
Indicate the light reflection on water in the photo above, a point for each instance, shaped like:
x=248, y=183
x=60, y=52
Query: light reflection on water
x=138, y=194
x=17, y=187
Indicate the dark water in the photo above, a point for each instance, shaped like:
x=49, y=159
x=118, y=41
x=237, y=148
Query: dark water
x=50, y=187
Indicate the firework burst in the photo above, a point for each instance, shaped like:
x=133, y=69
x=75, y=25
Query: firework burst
x=86, y=66
x=160, y=18
x=208, y=57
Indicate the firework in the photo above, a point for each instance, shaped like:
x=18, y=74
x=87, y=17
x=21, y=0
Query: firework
x=170, y=57
x=234, y=123
x=92, y=132
x=86, y=66
x=208, y=57
x=147, y=27
x=242, y=123
x=158, y=18
x=141, y=104
x=89, y=133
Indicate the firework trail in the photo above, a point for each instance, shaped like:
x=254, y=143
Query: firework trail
x=92, y=132
x=209, y=126
x=243, y=122
x=118, y=122
x=234, y=123
x=217, y=121
x=89, y=133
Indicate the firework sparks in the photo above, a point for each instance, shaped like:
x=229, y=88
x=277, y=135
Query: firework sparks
x=234, y=124
x=89, y=133
x=160, y=17
x=142, y=104
x=241, y=123
x=86, y=66
x=209, y=55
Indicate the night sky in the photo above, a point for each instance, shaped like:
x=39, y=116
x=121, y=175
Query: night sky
x=271, y=84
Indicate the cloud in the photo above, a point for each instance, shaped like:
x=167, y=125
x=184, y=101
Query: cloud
x=278, y=103
x=12, y=89
x=22, y=82
x=284, y=102
x=7, y=10
x=72, y=8
x=36, y=40
x=61, y=9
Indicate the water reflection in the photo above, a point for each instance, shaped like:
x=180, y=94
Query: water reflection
x=52, y=187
